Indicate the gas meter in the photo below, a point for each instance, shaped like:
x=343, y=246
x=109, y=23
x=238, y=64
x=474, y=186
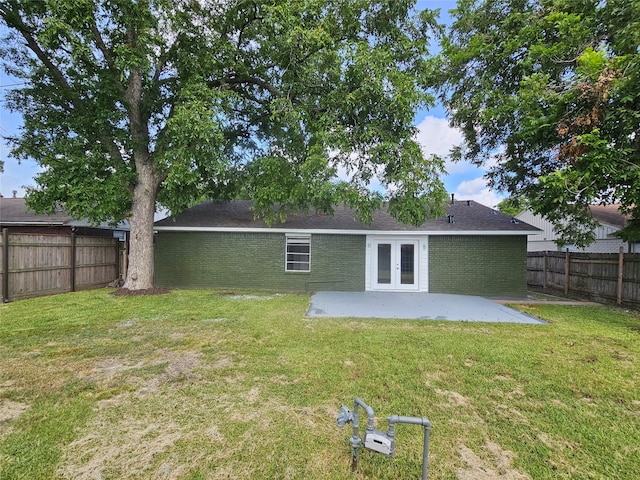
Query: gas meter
x=379, y=442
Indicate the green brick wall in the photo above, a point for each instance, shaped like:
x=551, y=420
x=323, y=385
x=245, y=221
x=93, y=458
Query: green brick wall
x=478, y=265
x=256, y=261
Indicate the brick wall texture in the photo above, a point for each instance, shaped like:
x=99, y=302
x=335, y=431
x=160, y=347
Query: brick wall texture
x=478, y=265
x=256, y=261
x=472, y=265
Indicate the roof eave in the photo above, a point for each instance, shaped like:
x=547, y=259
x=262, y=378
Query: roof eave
x=327, y=231
x=34, y=224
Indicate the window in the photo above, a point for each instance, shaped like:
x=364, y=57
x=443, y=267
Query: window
x=298, y=254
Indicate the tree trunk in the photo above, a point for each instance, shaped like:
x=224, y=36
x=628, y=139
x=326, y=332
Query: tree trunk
x=140, y=271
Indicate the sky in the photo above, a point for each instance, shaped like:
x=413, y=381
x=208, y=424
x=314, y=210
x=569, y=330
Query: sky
x=434, y=133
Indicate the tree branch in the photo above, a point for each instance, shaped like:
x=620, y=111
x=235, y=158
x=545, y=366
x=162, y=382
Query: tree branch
x=106, y=53
x=247, y=79
x=13, y=19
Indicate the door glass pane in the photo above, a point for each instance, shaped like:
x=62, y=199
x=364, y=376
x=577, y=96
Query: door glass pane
x=407, y=263
x=384, y=263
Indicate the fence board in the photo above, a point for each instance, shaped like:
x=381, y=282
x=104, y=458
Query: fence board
x=594, y=276
x=40, y=264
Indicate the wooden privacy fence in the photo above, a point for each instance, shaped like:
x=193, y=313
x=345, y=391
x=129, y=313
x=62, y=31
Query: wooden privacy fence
x=602, y=277
x=41, y=264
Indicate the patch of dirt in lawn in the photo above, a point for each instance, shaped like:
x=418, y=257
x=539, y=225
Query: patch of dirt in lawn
x=223, y=362
x=213, y=433
x=122, y=292
x=493, y=463
x=10, y=410
x=454, y=398
x=116, y=445
x=251, y=396
x=556, y=443
x=105, y=455
x=234, y=296
x=165, y=435
x=511, y=414
x=110, y=367
x=354, y=326
x=515, y=394
x=9, y=384
x=179, y=365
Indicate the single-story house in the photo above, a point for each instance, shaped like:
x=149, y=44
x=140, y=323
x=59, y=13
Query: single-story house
x=472, y=250
x=610, y=220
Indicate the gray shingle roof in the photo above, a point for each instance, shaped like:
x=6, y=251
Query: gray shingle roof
x=15, y=211
x=468, y=216
x=609, y=215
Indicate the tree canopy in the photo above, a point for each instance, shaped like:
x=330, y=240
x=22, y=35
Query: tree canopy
x=547, y=95
x=128, y=105
x=512, y=205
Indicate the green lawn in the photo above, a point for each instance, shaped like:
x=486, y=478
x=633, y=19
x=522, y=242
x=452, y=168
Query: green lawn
x=208, y=385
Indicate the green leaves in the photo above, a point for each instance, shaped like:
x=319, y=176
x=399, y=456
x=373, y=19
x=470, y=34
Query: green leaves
x=131, y=102
x=201, y=94
x=549, y=89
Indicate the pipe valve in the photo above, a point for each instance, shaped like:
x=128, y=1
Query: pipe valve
x=344, y=416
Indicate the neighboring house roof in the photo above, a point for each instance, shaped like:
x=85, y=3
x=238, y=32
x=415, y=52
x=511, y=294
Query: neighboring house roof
x=468, y=218
x=609, y=215
x=14, y=212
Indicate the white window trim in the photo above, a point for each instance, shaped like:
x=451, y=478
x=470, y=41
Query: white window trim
x=302, y=239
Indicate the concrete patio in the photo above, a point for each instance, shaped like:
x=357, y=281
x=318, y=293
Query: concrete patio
x=412, y=305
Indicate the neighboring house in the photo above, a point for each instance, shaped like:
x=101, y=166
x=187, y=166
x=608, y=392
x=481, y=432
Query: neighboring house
x=610, y=219
x=472, y=250
x=15, y=215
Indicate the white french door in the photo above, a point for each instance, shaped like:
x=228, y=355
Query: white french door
x=395, y=265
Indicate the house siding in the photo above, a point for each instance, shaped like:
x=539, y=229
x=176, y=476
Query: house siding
x=256, y=261
x=605, y=242
x=478, y=265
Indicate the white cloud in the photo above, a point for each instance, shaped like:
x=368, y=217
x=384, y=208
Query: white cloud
x=477, y=190
x=375, y=185
x=437, y=137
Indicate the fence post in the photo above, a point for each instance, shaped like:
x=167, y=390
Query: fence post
x=117, y=259
x=73, y=259
x=544, y=271
x=566, y=272
x=5, y=265
x=620, y=273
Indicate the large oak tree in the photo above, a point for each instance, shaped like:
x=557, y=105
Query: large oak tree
x=547, y=94
x=130, y=105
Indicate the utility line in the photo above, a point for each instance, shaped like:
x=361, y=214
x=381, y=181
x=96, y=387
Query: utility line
x=13, y=85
